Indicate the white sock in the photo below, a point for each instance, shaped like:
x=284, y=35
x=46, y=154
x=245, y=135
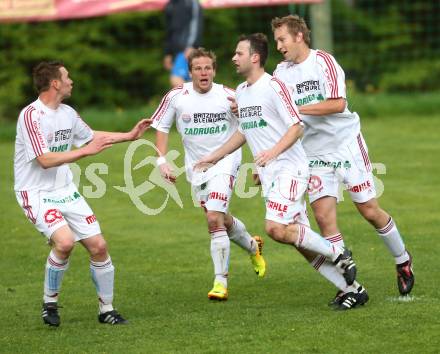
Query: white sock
x=310, y=240
x=53, y=277
x=392, y=239
x=238, y=234
x=336, y=240
x=103, y=275
x=220, y=254
x=329, y=271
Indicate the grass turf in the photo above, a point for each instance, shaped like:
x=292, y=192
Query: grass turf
x=164, y=271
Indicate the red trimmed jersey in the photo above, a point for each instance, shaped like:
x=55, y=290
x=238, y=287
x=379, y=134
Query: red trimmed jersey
x=205, y=122
x=266, y=112
x=41, y=130
x=316, y=79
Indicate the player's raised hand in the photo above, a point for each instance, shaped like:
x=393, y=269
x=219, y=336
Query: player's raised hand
x=264, y=157
x=233, y=105
x=167, y=172
x=99, y=143
x=140, y=128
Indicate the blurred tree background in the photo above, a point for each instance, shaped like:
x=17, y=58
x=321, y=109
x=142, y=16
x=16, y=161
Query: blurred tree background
x=116, y=61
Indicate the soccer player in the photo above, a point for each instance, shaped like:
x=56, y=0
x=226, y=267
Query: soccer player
x=333, y=142
x=269, y=122
x=46, y=131
x=201, y=110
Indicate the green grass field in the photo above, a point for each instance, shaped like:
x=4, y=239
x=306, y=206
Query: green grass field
x=164, y=271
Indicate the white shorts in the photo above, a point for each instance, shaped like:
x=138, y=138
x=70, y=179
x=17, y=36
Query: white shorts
x=350, y=167
x=285, y=202
x=50, y=210
x=215, y=194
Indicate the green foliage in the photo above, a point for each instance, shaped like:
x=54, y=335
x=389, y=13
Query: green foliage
x=116, y=61
x=388, y=45
x=421, y=75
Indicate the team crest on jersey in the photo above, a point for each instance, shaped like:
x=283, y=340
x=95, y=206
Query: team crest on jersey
x=186, y=117
x=50, y=137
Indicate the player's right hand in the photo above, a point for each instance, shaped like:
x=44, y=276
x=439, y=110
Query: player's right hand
x=167, y=172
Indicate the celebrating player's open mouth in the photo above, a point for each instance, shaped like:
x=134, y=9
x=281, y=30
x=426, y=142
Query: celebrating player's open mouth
x=202, y=73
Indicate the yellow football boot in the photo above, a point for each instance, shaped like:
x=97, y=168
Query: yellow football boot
x=218, y=292
x=257, y=260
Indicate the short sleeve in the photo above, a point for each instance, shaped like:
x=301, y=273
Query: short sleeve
x=283, y=102
x=82, y=133
x=332, y=75
x=163, y=117
x=30, y=133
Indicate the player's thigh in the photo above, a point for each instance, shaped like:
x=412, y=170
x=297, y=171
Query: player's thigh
x=359, y=180
x=63, y=239
x=80, y=216
x=215, y=194
x=323, y=182
x=285, y=200
x=42, y=210
x=325, y=212
x=96, y=245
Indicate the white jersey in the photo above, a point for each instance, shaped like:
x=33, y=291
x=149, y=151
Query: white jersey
x=266, y=112
x=41, y=130
x=316, y=79
x=205, y=122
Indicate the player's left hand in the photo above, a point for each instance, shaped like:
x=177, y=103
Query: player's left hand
x=233, y=105
x=140, y=128
x=203, y=164
x=264, y=157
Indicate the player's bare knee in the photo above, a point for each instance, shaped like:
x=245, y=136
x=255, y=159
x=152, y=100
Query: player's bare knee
x=214, y=220
x=292, y=232
x=322, y=219
x=228, y=221
x=64, y=246
x=275, y=231
x=99, y=248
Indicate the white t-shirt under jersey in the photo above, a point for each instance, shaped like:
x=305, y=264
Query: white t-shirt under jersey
x=266, y=112
x=205, y=122
x=41, y=130
x=316, y=79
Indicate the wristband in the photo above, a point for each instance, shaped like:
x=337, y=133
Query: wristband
x=161, y=160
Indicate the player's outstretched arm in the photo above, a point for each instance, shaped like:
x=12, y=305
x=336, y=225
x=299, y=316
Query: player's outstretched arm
x=165, y=168
x=292, y=135
x=329, y=106
x=236, y=141
x=134, y=134
x=95, y=146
